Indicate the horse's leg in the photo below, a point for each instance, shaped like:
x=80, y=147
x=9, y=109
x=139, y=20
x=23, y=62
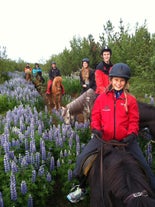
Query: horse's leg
x=54, y=100
x=59, y=101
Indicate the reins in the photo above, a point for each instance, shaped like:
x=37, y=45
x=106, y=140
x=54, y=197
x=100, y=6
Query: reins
x=113, y=143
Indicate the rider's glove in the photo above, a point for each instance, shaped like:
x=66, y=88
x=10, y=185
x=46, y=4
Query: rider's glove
x=129, y=139
x=97, y=133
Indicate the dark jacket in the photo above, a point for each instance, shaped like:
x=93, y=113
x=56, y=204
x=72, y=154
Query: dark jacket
x=92, y=83
x=53, y=73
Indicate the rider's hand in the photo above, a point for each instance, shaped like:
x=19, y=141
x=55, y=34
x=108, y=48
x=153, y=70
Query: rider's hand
x=129, y=139
x=96, y=132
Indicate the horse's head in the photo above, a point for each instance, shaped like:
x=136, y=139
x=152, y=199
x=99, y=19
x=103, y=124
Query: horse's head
x=147, y=117
x=67, y=117
x=57, y=81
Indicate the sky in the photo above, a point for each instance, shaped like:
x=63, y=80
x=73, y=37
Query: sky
x=34, y=30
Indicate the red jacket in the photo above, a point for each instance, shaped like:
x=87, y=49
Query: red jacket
x=110, y=116
x=102, y=81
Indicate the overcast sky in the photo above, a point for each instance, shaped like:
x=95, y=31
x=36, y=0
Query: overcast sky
x=33, y=30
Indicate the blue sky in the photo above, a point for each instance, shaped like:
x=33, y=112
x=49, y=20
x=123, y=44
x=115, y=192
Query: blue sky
x=33, y=30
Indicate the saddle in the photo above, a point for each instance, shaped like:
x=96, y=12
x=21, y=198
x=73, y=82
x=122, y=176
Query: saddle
x=88, y=163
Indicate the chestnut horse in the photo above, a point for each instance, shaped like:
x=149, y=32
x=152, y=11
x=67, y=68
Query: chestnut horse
x=116, y=179
x=57, y=92
x=28, y=76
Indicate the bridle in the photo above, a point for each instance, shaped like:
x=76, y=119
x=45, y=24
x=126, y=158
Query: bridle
x=136, y=195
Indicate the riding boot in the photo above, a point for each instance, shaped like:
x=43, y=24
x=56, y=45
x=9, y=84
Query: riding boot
x=49, y=84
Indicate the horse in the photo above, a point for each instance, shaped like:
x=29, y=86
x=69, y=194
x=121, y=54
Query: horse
x=39, y=81
x=147, y=117
x=82, y=104
x=28, y=76
x=57, y=92
x=116, y=179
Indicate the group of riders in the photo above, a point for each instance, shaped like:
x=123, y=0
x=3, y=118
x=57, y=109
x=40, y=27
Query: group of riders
x=37, y=78
x=114, y=116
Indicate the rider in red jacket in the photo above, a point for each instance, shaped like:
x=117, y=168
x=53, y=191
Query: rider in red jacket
x=102, y=71
x=115, y=116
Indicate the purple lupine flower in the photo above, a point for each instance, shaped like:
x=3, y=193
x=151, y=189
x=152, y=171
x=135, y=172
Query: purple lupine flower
x=61, y=154
x=26, y=144
x=37, y=159
x=41, y=170
x=40, y=129
x=27, y=157
x=13, y=191
x=11, y=155
x=48, y=177
x=70, y=174
x=77, y=149
x=6, y=163
x=32, y=158
x=1, y=200
x=50, y=135
x=14, y=167
x=58, y=163
x=60, y=141
x=32, y=146
x=6, y=147
x=52, y=163
x=65, y=153
x=23, y=187
x=34, y=174
x=77, y=138
x=43, y=149
x=70, y=142
x=24, y=162
x=30, y=201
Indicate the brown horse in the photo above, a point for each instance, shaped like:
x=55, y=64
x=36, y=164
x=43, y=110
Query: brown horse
x=57, y=92
x=116, y=179
x=28, y=76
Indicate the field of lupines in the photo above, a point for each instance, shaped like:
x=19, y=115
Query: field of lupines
x=37, y=150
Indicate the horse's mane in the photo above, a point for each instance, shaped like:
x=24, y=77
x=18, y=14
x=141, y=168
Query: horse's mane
x=121, y=176
x=56, y=80
x=146, y=105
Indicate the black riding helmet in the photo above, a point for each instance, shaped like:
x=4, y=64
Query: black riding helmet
x=85, y=60
x=121, y=70
x=106, y=49
x=53, y=62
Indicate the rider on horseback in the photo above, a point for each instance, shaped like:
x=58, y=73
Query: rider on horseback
x=87, y=76
x=53, y=72
x=115, y=116
x=27, y=70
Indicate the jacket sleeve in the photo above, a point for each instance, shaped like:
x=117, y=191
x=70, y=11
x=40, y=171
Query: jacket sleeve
x=59, y=74
x=101, y=83
x=133, y=117
x=96, y=115
x=92, y=83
